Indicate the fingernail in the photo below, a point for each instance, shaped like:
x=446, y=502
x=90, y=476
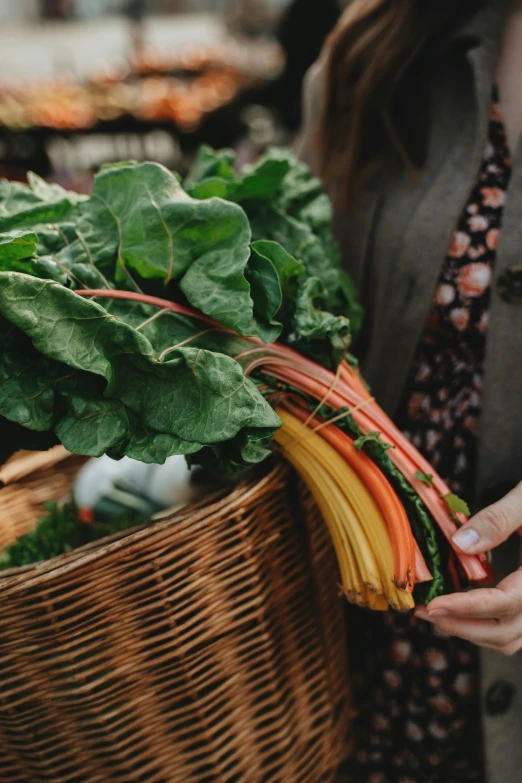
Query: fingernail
x=422, y=614
x=439, y=613
x=466, y=538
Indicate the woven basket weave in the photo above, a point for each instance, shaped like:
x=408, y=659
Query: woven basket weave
x=207, y=647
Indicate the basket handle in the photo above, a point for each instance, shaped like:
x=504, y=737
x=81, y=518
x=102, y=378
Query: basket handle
x=25, y=463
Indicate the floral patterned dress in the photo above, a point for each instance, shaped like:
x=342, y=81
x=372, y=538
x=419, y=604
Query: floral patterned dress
x=417, y=690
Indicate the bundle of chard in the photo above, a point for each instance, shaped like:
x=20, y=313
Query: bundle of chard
x=213, y=320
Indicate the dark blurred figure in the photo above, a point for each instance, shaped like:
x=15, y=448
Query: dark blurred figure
x=56, y=9
x=135, y=11
x=302, y=32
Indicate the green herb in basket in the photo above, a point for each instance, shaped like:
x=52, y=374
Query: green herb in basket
x=60, y=531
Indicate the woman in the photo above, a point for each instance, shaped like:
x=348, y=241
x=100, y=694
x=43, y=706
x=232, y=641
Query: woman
x=413, y=119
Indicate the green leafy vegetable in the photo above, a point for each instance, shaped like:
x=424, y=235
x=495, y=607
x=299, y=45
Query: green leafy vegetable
x=426, y=478
x=315, y=325
x=251, y=250
x=284, y=203
x=373, y=438
x=33, y=204
x=211, y=164
x=213, y=174
x=139, y=224
x=456, y=504
x=195, y=396
x=16, y=245
x=60, y=531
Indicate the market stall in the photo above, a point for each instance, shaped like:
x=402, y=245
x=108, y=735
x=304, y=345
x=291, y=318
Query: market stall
x=159, y=108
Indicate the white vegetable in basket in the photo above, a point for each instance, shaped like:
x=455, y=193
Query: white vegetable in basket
x=111, y=486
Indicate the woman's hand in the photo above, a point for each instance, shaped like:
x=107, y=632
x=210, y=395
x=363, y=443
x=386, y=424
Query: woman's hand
x=489, y=617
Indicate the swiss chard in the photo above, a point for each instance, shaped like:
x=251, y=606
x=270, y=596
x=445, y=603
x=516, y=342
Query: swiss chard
x=152, y=319
x=122, y=378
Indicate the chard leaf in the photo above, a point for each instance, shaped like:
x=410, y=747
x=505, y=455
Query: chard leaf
x=106, y=426
x=18, y=249
x=96, y=426
x=456, y=505
x=317, y=209
x=263, y=180
x=426, y=478
x=213, y=175
x=140, y=225
x=48, y=268
x=272, y=274
x=248, y=448
x=30, y=383
x=155, y=447
x=54, y=237
x=50, y=192
x=266, y=287
x=212, y=163
x=61, y=405
x=288, y=268
x=16, y=245
x=371, y=439
x=214, y=187
x=28, y=388
x=285, y=203
x=45, y=402
x=314, y=324
x=38, y=202
x=217, y=276
x=266, y=294
x=197, y=395
x=166, y=330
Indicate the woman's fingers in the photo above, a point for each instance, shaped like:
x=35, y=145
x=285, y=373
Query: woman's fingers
x=491, y=526
x=504, y=637
x=489, y=617
x=491, y=603
x=491, y=633
x=502, y=601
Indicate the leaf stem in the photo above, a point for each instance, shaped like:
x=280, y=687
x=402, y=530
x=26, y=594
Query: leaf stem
x=183, y=342
x=166, y=304
x=152, y=319
x=89, y=256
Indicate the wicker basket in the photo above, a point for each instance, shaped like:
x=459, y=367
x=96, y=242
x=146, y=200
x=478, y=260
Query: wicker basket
x=207, y=647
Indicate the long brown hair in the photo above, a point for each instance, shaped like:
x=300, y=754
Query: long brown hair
x=374, y=95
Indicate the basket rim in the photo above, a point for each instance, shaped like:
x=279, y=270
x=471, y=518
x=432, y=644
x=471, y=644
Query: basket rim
x=23, y=577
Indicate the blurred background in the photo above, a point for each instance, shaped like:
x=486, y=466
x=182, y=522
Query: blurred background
x=87, y=82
